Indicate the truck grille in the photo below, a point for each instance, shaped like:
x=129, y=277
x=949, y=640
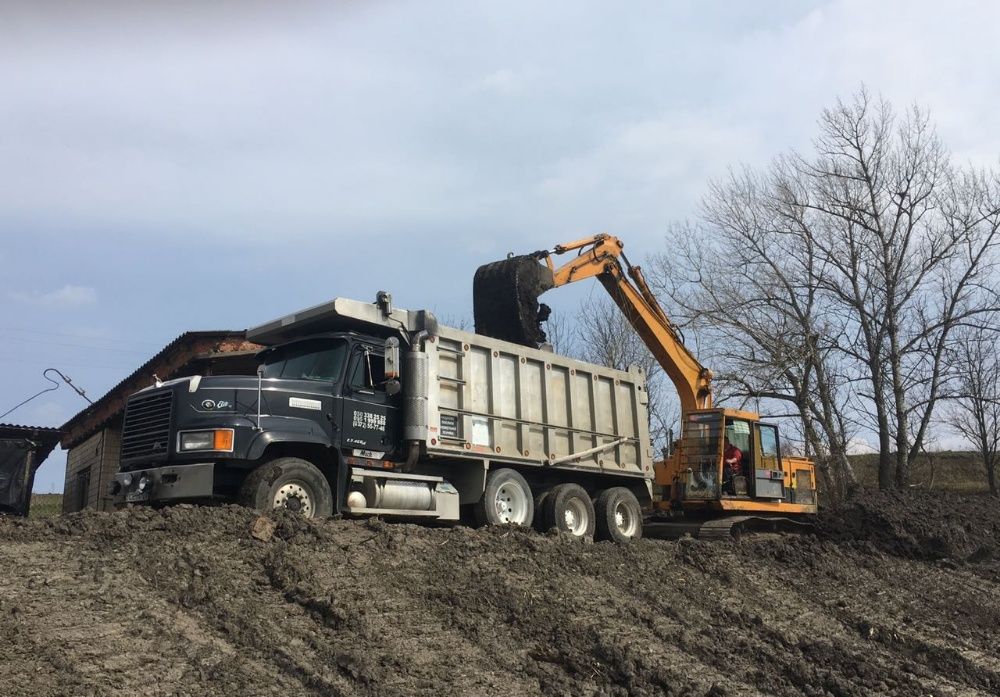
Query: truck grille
x=146, y=430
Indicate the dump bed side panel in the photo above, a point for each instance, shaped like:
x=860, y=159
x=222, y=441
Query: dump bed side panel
x=499, y=400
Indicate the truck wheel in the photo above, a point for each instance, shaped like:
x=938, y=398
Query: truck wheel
x=507, y=499
x=619, y=516
x=568, y=508
x=539, y=522
x=290, y=483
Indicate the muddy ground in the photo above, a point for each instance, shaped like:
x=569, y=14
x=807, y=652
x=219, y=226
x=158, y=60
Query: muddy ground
x=894, y=595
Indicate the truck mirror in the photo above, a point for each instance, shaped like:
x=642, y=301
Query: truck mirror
x=391, y=360
x=393, y=387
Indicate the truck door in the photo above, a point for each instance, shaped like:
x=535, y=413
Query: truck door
x=371, y=417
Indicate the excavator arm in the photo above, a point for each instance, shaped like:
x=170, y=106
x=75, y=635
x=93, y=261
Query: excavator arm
x=602, y=256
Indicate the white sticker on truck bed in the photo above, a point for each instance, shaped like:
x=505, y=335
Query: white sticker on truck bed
x=480, y=431
x=301, y=403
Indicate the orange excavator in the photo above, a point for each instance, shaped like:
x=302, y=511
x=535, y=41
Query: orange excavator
x=729, y=472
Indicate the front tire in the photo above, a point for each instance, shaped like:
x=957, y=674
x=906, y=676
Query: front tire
x=290, y=483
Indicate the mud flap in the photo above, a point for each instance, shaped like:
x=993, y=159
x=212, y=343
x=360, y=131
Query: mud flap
x=505, y=299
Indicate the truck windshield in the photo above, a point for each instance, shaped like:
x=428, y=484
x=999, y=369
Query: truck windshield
x=317, y=359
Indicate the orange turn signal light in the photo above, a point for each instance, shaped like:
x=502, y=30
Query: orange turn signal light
x=223, y=439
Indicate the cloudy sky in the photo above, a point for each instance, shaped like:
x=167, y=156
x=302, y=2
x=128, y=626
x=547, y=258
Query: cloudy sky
x=167, y=166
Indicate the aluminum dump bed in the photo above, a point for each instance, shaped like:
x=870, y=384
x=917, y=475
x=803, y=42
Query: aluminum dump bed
x=503, y=401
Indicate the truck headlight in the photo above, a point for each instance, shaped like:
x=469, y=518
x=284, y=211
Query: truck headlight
x=219, y=439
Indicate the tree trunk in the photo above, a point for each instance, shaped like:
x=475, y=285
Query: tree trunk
x=991, y=474
x=886, y=469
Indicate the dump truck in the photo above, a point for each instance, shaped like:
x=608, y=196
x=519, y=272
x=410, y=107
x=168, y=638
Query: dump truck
x=365, y=409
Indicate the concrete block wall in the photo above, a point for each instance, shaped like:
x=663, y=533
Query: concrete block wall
x=99, y=455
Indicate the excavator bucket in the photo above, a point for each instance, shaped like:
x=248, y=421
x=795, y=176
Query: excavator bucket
x=505, y=299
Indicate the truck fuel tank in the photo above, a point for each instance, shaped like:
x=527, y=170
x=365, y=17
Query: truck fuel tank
x=380, y=492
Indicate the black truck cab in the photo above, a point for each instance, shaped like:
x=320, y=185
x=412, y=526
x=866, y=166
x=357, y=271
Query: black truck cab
x=322, y=397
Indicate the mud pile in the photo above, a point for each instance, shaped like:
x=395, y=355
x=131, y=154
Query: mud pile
x=215, y=601
x=919, y=524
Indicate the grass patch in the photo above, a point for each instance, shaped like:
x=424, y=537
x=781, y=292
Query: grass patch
x=45, y=505
x=943, y=471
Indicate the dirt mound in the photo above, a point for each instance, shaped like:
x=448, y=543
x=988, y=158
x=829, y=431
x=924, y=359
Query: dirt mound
x=919, y=524
x=216, y=601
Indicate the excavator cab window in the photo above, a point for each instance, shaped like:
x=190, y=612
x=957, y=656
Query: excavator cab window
x=701, y=445
x=770, y=455
x=738, y=433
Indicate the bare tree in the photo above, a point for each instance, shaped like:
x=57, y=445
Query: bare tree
x=560, y=334
x=974, y=409
x=909, y=244
x=836, y=282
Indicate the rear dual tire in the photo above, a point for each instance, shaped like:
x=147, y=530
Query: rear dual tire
x=619, y=515
x=568, y=508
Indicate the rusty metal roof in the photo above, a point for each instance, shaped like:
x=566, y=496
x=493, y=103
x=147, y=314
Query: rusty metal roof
x=19, y=427
x=113, y=401
x=45, y=438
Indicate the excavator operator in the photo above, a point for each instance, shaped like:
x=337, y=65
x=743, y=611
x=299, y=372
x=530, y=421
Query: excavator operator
x=732, y=460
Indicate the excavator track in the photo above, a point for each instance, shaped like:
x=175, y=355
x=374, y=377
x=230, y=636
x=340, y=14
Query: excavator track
x=729, y=527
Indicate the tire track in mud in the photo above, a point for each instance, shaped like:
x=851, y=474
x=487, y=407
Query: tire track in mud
x=374, y=619
x=183, y=600
x=262, y=631
x=880, y=624
x=759, y=633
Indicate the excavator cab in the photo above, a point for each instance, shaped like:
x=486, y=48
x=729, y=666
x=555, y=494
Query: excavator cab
x=697, y=476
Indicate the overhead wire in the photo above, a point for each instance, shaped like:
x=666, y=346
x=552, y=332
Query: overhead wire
x=55, y=386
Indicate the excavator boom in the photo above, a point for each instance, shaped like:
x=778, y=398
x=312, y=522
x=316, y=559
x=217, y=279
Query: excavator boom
x=602, y=256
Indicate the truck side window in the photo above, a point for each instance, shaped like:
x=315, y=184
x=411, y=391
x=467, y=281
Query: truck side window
x=368, y=371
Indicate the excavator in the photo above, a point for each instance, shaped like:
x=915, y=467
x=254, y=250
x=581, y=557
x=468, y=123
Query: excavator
x=729, y=472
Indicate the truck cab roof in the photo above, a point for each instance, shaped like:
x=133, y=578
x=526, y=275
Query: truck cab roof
x=378, y=319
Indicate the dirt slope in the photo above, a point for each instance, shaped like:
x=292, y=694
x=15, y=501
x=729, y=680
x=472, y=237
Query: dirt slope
x=186, y=601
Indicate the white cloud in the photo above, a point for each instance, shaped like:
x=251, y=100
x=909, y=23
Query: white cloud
x=860, y=446
x=45, y=414
x=67, y=297
x=504, y=82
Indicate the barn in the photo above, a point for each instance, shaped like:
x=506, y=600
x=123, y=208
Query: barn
x=92, y=437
